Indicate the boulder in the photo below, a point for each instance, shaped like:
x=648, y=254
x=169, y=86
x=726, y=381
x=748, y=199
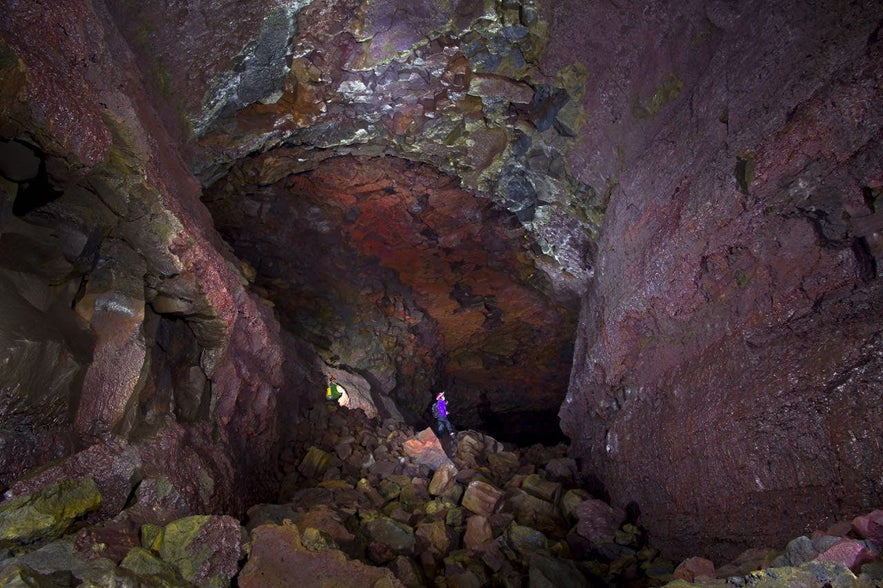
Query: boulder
x=443, y=480
x=58, y=563
x=535, y=512
x=426, y=449
x=478, y=532
x=541, y=488
x=407, y=572
x=114, y=465
x=261, y=514
x=145, y=563
x=109, y=539
x=17, y=575
x=798, y=551
x=525, y=541
x=502, y=464
x=386, y=531
x=330, y=522
x=315, y=463
x=482, y=498
x=434, y=538
x=549, y=572
x=853, y=554
x=813, y=574
x=870, y=527
x=159, y=501
x=278, y=559
x=388, y=489
x=693, y=568
x=205, y=549
x=748, y=560
x=598, y=521
x=562, y=469
x=47, y=513
x=571, y=501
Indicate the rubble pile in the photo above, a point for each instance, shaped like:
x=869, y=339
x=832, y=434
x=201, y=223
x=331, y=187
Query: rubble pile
x=370, y=502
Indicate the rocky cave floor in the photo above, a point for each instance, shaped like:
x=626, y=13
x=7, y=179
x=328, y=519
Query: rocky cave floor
x=365, y=502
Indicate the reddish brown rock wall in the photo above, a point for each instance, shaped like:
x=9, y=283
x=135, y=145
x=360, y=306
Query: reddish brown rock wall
x=103, y=240
x=726, y=373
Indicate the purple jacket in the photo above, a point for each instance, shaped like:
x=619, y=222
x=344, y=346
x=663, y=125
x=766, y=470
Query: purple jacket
x=442, y=409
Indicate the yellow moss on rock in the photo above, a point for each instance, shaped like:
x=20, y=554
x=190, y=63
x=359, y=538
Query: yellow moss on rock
x=47, y=513
x=666, y=92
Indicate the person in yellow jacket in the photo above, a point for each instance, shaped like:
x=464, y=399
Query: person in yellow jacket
x=333, y=392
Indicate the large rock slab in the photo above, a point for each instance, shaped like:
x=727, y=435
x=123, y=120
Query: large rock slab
x=47, y=513
x=482, y=498
x=205, y=549
x=115, y=466
x=279, y=559
x=425, y=449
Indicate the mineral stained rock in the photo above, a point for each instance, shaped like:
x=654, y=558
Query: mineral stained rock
x=726, y=374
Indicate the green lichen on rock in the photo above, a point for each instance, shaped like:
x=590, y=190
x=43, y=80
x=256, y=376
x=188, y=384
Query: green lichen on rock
x=742, y=279
x=145, y=564
x=667, y=91
x=203, y=549
x=813, y=573
x=47, y=513
x=745, y=170
x=19, y=575
x=177, y=545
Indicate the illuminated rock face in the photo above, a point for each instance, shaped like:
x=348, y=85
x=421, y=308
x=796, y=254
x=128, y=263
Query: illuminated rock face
x=432, y=199
x=390, y=268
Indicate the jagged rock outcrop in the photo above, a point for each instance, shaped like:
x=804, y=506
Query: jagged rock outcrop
x=133, y=337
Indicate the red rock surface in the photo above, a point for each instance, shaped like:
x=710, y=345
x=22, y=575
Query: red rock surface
x=693, y=569
x=446, y=278
x=426, y=449
x=726, y=371
x=870, y=527
x=130, y=217
x=852, y=554
x=279, y=558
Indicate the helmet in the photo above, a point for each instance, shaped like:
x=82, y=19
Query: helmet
x=440, y=394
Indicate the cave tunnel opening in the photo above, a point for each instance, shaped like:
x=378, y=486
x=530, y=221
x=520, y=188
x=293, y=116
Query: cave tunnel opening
x=389, y=269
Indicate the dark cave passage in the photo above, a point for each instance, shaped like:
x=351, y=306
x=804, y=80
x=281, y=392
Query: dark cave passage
x=391, y=270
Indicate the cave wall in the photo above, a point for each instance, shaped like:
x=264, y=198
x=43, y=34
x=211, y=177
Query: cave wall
x=133, y=338
x=726, y=376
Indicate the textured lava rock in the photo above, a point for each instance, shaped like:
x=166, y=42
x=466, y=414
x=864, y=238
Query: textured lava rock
x=110, y=223
x=114, y=467
x=48, y=513
x=205, y=549
x=278, y=558
x=725, y=372
x=420, y=283
x=708, y=181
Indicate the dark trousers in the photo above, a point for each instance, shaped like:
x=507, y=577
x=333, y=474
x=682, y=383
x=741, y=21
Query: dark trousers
x=444, y=423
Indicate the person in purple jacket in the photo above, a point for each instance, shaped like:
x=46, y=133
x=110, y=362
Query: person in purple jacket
x=440, y=412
